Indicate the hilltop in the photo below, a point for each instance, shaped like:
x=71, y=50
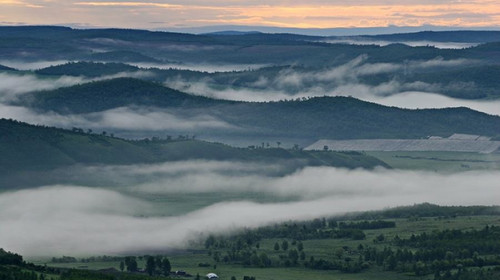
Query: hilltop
x=312, y=118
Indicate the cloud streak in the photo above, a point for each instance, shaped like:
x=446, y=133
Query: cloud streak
x=12, y=85
x=122, y=118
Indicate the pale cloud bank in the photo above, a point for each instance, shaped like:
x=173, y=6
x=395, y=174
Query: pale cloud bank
x=121, y=118
x=73, y=220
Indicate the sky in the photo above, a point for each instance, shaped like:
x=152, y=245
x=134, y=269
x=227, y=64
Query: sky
x=164, y=14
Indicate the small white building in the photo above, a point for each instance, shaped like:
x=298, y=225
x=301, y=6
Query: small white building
x=212, y=276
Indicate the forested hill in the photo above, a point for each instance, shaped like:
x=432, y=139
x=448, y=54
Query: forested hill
x=29, y=148
x=124, y=45
x=108, y=94
x=314, y=118
x=87, y=69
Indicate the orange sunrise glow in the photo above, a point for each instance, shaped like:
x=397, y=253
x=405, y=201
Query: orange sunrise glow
x=300, y=14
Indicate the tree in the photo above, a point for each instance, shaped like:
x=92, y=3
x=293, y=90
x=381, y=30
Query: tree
x=339, y=252
x=276, y=246
x=122, y=265
x=284, y=245
x=166, y=267
x=293, y=255
x=150, y=265
x=300, y=246
x=302, y=255
x=131, y=264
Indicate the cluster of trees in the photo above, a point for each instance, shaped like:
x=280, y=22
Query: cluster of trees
x=347, y=264
x=439, y=252
x=103, y=258
x=9, y=258
x=244, y=247
x=13, y=267
x=64, y=259
x=16, y=273
x=315, y=229
x=427, y=210
x=155, y=265
x=470, y=274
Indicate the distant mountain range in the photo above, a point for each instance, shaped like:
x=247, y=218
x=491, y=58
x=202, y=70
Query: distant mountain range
x=323, y=31
x=124, y=45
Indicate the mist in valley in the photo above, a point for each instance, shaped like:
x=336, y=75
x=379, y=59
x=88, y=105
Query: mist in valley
x=142, y=208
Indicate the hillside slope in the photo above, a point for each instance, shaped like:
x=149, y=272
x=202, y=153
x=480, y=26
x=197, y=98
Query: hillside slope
x=28, y=149
x=314, y=118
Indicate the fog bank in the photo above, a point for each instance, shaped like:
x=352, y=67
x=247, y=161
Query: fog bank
x=74, y=220
x=121, y=118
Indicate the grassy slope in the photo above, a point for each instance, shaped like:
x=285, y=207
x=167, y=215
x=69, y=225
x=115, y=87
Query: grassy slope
x=33, y=148
x=440, y=161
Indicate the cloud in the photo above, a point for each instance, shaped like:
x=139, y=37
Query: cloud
x=78, y=221
x=305, y=14
x=422, y=100
x=346, y=80
x=12, y=84
x=33, y=65
x=439, y=45
x=122, y=118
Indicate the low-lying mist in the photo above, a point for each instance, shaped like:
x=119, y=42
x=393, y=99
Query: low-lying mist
x=439, y=45
x=122, y=118
x=13, y=85
x=349, y=80
x=140, y=213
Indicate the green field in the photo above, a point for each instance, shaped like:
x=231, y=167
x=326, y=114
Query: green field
x=439, y=161
x=189, y=259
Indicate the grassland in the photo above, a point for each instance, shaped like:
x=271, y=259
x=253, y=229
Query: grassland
x=189, y=259
x=440, y=161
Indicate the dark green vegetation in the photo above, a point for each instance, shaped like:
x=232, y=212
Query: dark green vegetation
x=87, y=69
x=422, y=241
x=27, y=148
x=5, y=68
x=443, y=254
x=109, y=94
x=13, y=267
x=313, y=118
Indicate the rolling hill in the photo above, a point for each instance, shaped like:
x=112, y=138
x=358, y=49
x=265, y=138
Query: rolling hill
x=313, y=118
x=34, y=150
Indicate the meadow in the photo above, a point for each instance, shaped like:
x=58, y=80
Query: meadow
x=196, y=259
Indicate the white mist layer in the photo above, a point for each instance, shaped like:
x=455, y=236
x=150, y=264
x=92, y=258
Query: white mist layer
x=33, y=65
x=122, y=118
x=425, y=100
x=13, y=85
x=438, y=45
x=82, y=221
